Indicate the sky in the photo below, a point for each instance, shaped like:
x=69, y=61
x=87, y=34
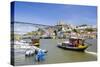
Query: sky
x=50, y=14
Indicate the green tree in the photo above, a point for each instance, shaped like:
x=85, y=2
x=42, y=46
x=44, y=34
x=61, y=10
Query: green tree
x=75, y=30
x=89, y=30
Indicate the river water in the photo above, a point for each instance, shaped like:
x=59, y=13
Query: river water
x=57, y=55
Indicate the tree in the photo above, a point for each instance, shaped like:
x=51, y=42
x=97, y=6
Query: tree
x=83, y=25
x=89, y=30
x=75, y=30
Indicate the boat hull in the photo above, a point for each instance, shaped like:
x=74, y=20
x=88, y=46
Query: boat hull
x=72, y=48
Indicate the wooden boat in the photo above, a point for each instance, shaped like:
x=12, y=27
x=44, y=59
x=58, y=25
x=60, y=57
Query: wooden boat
x=72, y=48
x=69, y=45
x=35, y=42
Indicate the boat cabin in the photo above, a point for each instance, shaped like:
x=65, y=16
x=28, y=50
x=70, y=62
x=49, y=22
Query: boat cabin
x=75, y=42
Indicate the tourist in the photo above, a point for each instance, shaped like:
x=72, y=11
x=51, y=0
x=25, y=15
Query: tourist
x=75, y=43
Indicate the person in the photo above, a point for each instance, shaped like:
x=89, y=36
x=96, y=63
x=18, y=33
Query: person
x=81, y=44
x=75, y=43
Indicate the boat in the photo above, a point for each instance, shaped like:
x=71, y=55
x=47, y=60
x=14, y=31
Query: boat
x=70, y=45
x=73, y=48
x=35, y=41
x=33, y=50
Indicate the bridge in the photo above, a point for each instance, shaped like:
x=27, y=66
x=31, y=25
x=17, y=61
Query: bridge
x=23, y=27
x=32, y=24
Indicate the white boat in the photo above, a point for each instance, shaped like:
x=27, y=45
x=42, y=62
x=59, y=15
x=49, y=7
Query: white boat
x=29, y=50
x=33, y=50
